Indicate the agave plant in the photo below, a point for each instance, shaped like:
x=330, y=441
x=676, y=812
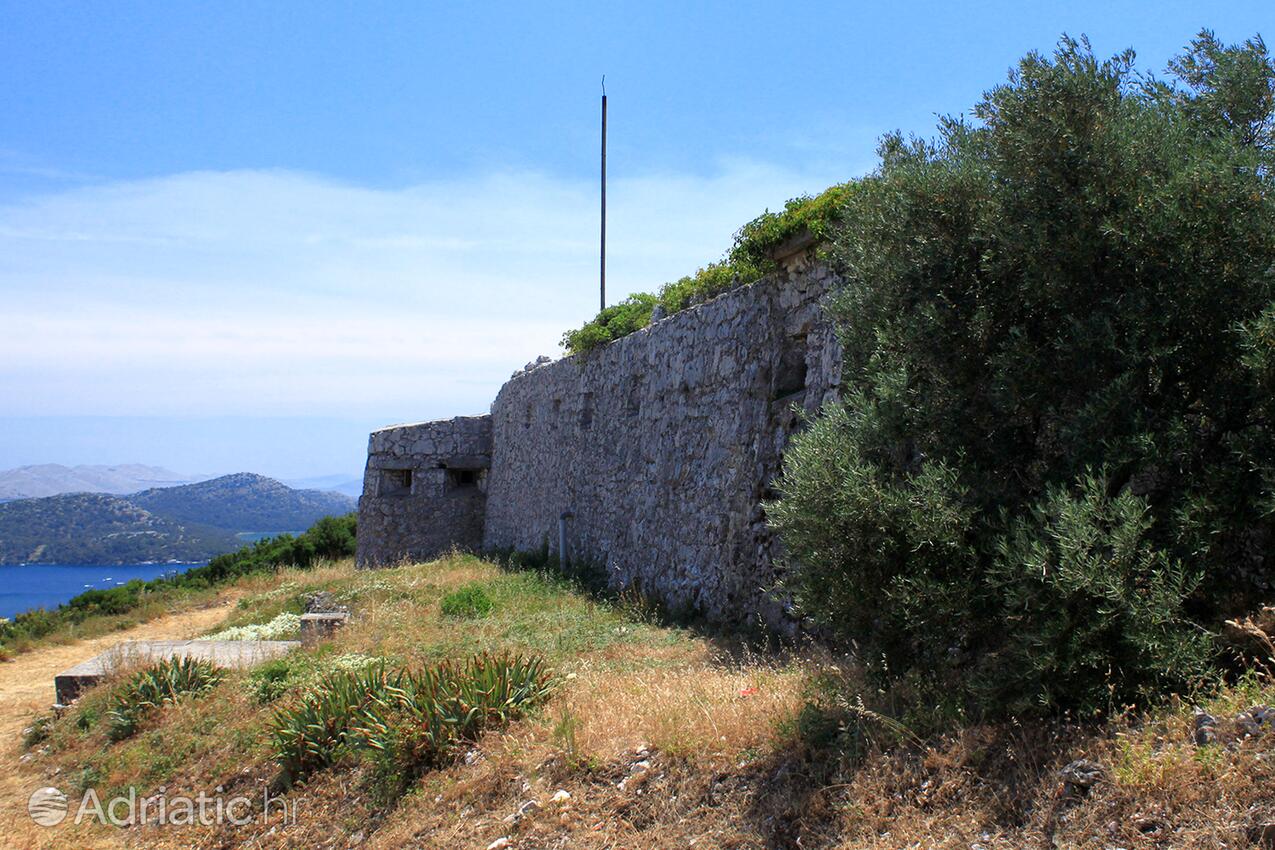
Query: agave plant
x=154, y=687
x=416, y=719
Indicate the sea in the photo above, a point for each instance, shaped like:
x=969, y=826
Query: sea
x=28, y=586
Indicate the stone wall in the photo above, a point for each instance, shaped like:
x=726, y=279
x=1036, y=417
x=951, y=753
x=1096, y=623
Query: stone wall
x=663, y=444
x=424, y=490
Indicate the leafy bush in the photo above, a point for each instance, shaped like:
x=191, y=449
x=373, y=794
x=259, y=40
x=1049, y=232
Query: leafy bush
x=271, y=680
x=37, y=733
x=469, y=602
x=756, y=241
x=748, y=259
x=1056, y=444
x=631, y=314
x=156, y=686
x=1091, y=607
x=411, y=720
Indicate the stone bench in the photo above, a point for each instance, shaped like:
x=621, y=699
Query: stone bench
x=237, y=654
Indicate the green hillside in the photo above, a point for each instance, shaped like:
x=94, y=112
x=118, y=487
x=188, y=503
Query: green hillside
x=244, y=502
x=189, y=523
x=97, y=528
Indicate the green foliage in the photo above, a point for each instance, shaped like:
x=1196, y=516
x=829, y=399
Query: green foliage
x=631, y=314
x=1057, y=324
x=1091, y=608
x=154, y=687
x=469, y=602
x=749, y=259
x=271, y=680
x=96, y=528
x=330, y=538
x=242, y=502
x=37, y=733
x=189, y=523
x=756, y=241
x=407, y=721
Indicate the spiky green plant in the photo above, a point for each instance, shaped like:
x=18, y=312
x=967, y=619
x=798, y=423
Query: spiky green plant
x=410, y=720
x=160, y=684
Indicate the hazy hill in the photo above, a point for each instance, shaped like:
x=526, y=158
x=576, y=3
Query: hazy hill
x=50, y=479
x=244, y=502
x=97, y=528
x=350, y=485
x=192, y=522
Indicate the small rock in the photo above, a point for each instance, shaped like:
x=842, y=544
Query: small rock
x=528, y=807
x=560, y=796
x=1205, y=728
x=357, y=838
x=640, y=767
x=499, y=844
x=1081, y=775
x=323, y=602
x=1248, y=725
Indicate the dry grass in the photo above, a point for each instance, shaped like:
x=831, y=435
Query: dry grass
x=663, y=739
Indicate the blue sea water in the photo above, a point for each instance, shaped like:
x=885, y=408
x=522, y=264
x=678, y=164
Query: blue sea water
x=48, y=585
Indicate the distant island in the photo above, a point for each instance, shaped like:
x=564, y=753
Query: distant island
x=53, y=479
x=188, y=523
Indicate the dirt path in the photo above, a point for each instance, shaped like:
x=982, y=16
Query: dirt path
x=26, y=690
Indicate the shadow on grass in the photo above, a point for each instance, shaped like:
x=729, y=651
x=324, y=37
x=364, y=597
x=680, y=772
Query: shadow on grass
x=734, y=642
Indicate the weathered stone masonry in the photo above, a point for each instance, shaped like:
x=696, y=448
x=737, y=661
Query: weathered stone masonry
x=661, y=446
x=424, y=490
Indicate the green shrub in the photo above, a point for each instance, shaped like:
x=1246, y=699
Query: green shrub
x=405, y=721
x=818, y=216
x=37, y=733
x=1092, y=610
x=469, y=602
x=271, y=680
x=1056, y=444
x=156, y=686
x=748, y=259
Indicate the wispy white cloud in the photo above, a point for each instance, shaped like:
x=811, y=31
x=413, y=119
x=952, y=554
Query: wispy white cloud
x=275, y=292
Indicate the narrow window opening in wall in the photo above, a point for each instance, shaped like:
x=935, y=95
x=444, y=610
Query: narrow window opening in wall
x=633, y=402
x=527, y=422
x=395, y=482
x=790, y=376
x=586, y=412
x=557, y=411
x=458, y=479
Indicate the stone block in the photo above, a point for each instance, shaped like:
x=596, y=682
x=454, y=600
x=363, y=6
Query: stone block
x=235, y=654
x=318, y=627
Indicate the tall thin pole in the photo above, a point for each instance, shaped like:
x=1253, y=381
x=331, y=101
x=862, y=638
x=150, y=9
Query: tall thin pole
x=602, y=278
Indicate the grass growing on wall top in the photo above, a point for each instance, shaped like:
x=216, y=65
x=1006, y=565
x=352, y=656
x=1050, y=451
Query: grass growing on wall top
x=748, y=259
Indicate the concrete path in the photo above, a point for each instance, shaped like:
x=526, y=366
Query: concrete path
x=128, y=654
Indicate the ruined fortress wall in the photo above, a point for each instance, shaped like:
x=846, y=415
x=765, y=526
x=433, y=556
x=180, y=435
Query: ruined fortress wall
x=424, y=490
x=663, y=444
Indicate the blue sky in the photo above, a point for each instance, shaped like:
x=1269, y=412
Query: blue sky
x=226, y=224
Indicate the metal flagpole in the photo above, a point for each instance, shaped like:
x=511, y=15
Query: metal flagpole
x=602, y=281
